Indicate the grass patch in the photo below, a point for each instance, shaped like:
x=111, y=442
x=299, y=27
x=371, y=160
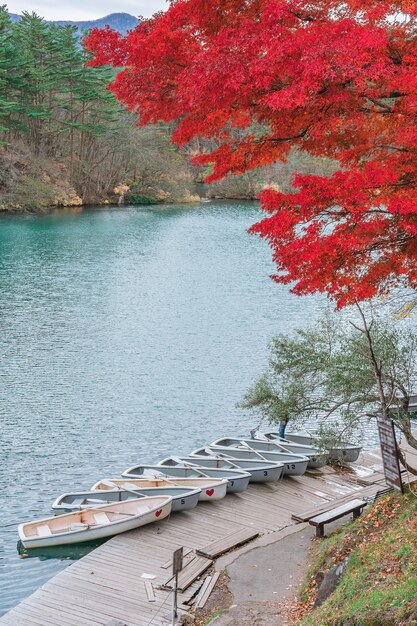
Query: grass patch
x=212, y=617
x=379, y=587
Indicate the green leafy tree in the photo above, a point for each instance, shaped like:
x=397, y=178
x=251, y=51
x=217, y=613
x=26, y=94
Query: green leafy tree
x=340, y=373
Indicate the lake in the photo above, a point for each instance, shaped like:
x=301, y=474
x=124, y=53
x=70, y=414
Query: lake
x=126, y=334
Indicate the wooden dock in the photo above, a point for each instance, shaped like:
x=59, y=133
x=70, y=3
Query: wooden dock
x=107, y=586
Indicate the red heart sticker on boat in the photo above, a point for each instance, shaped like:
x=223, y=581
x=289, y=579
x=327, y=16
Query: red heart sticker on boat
x=209, y=492
x=158, y=513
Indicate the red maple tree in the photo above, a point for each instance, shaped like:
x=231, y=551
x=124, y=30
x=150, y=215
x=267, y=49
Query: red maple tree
x=332, y=79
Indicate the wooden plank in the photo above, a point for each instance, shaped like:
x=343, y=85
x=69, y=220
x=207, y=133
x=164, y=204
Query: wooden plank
x=202, y=590
x=188, y=575
x=34, y=619
x=196, y=568
x=92, y=603
x=105, y=596
x=50, y=610
x=38, y=615
x=201, y=601
x=9, y=619
x=104, y=599
x=238, y=538
x=186, y=597
x=149, y=590
x=372, y=479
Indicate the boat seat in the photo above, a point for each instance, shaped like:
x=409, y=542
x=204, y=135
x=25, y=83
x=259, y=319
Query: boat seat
x=44, y=531
x=77, y=526
x=101, y=518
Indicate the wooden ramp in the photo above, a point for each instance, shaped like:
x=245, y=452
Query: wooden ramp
x=228, y=542
x=107, y=584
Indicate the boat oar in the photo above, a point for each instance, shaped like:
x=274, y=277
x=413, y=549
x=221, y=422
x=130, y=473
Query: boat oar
x=108, y=483
x=219, y=455
x=102, y=508
x=228, y=460
x=113, y=511
x=164, y=477
x=246, y=445
x=282, y=448
x=191, y=466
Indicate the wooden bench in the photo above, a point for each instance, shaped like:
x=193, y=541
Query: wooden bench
x=354, y=506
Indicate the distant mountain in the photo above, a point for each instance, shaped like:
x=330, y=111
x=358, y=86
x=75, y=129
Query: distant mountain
x=122, y=22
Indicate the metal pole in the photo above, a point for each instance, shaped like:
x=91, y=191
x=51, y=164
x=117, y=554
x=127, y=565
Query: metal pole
x=173, y=607
x=177, y=565
x=175, y=601
x=176, y=598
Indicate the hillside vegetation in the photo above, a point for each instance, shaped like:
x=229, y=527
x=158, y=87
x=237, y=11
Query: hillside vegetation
x=64, y=139
x=379, y=586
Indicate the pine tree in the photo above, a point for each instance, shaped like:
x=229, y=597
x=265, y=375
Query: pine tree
x=37, y=50
x=10, y=78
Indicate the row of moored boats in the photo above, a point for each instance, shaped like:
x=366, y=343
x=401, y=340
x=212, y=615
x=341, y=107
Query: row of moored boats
x=149, y=493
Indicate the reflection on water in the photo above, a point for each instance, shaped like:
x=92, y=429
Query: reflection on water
x=63, y=553
x=125, y=335
x=67, y=210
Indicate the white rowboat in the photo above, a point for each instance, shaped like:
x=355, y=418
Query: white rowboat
x=315, y=458
x=294, y=464
x=260, y=471
x=341, y=451
x=95, y=523
x=237, y=480
x=210, y=488
x=183, y=498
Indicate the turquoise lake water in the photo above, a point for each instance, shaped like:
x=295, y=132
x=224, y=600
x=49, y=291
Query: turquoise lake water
x=125, y=334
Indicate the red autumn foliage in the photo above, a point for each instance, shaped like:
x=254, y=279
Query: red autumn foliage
x=332, y=79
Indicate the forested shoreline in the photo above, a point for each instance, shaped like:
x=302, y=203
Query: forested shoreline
x=64, y=139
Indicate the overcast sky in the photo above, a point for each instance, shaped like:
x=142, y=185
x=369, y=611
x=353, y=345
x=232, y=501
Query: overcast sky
x=85, y=9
